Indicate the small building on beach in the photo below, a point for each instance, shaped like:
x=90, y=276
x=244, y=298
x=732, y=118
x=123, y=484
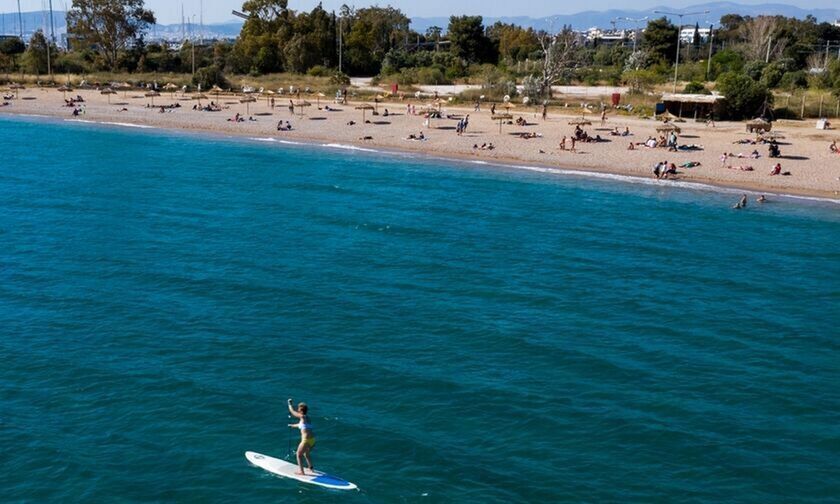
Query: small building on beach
x=696, y=106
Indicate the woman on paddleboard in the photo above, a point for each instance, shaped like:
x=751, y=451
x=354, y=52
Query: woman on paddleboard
x=307, y=435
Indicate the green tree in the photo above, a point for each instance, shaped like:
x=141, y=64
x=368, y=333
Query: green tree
x=660, y=39
x=744, y=96
x=467, y=40
x=373, y=32
x=108, y=25
x=11, y=48
x=36, y=54
x=210, y=76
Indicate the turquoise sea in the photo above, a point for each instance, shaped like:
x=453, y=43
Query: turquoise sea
x=462, y=333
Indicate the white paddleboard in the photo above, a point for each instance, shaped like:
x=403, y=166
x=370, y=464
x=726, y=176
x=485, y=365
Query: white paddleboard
x=288, y=470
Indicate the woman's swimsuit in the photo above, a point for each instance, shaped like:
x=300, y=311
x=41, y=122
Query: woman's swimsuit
x=309, y=440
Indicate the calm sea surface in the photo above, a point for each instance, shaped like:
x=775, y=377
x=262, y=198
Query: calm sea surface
x=462, y=333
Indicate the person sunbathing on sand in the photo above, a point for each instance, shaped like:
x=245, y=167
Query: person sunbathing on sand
x=777, y=170
x=833, y=147
x=631, y=146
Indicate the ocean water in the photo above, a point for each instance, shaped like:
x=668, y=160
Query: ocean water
x=462, y=333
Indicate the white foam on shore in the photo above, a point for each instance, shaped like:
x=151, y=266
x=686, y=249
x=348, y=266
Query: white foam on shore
x=129, y=125
x=633, y=179
x=112, y=123
x=276, y=140
x=348, y=147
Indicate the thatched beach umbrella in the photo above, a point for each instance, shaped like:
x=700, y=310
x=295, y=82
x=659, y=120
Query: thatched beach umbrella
x=170, y=87
x=501, y=118
x=759, y=124
x=668, y=127
x=268, y=94
x=152, y=94
x=125, y=86
x=364, y=108
x=109, y=92
x=318, y=99
x=300, y=104
x=247, y=100
x=216, y=90
x=64, y=89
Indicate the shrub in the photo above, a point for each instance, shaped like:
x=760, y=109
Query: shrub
x=695, y=88
x=319, y=71
x=209, y=76
x=641, y=81
x=772, y=75
x=794, y=80
x=744, y=96
x=339, y=79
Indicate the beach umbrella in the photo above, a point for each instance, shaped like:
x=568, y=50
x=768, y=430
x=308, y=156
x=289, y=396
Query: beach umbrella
x=170, y=87
x=216, y=90
x=668, y=127
x=247, y=100
x=64, y=89
x=152, y=94
x=318, y=99
x=759, y=124
x=125, y=86
x=109, y=92
x=364, y=108
x=268, y=94
x=501, y=118
x=300, y=104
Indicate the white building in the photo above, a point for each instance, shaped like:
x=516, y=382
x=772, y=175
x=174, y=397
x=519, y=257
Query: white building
x=687, y=35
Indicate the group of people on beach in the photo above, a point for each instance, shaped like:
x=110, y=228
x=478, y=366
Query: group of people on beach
x=210, y=107
x=664, y=170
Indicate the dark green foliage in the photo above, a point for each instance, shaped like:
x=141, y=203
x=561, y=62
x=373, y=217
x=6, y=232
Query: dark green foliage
x=726, y=61
x=772, y=75
x=660, y=39
x=745, y=97
x=210, y=76
x=108, y=26
x=791, y=81
x=36, y=54
x=695, y=88
x=468, y=41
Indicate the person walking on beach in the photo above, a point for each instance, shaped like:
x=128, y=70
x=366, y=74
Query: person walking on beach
x=307, y=435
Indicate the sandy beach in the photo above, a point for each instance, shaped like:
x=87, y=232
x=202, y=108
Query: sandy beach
x=814, y=170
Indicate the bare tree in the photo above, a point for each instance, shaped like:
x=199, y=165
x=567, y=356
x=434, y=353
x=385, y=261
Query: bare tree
x=558, y=57
x=759, y=34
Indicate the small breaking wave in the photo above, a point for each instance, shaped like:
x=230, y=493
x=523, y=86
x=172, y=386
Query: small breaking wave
x=348, y=147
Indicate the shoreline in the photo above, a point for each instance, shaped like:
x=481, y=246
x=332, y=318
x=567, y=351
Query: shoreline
x=600, y=160
x=695, y=184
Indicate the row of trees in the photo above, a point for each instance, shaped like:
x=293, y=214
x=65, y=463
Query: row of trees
x=750, y=55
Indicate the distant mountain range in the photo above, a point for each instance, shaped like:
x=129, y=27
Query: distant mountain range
x=602, y=19
x=581, y=21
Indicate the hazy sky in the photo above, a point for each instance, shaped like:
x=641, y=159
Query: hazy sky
x=169, y=11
